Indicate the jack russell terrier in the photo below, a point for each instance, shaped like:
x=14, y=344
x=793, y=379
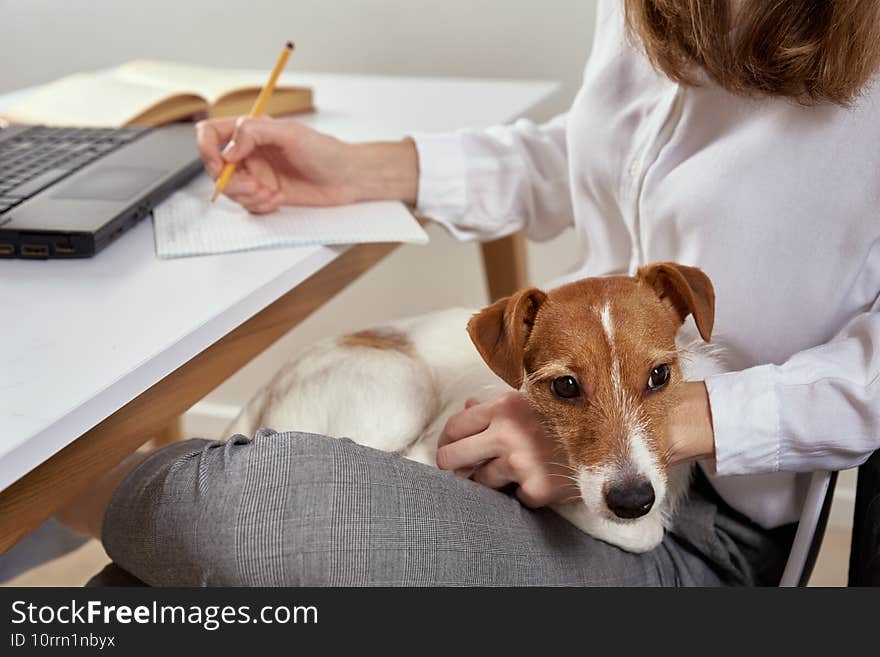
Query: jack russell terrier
x=600, y=362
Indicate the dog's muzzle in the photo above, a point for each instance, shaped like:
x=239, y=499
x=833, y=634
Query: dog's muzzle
x=630, y=498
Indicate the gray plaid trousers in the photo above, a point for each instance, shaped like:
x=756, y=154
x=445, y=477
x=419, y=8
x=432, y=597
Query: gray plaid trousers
x=294, y=509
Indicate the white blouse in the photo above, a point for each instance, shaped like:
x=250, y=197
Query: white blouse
x=778, y=203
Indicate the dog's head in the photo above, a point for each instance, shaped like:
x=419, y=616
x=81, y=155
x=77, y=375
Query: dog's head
x=598, y=363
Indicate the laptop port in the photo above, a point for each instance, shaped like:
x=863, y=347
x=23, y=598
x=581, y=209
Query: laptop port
x=35, y=250
x=65, y=249
x=7, y=249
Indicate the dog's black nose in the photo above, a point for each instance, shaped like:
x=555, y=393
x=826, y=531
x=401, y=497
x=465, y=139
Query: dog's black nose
x=631, y=498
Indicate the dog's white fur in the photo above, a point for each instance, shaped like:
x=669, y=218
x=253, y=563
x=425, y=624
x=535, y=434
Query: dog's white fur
x=399, y=402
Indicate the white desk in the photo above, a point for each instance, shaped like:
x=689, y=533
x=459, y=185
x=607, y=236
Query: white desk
x=83, y=338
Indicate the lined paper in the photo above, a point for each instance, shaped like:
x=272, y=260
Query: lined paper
x=187, y=224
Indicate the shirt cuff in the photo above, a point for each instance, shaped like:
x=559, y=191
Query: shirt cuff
x=745, y=418
x=442, y=194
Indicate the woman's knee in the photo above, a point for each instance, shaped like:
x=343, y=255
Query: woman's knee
x=266, y=505
x=245, y=511
x=187, y=513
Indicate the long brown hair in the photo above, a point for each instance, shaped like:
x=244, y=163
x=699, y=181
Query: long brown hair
x=809, y=50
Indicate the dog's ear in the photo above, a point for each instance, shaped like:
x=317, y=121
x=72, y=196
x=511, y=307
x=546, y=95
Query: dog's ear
x=500, y=333
x=687, y=289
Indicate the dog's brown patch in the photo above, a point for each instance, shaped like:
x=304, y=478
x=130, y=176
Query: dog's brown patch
x=386, y=339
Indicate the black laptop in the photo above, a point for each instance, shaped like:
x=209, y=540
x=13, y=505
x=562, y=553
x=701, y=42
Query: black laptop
x=69, y=192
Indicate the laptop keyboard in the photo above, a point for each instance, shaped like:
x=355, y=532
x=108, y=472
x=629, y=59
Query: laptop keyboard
x=40, y=156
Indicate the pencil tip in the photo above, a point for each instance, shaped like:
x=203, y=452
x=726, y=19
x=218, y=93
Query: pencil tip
x=289, y=45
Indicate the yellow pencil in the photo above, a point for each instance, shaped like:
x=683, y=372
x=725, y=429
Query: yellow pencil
x=256, y=110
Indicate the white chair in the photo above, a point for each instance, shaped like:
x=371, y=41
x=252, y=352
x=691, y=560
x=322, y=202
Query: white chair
x=810, y=530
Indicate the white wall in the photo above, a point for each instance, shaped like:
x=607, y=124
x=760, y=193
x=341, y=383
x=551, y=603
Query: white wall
x=43, y=39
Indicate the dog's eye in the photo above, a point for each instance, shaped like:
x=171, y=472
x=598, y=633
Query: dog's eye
x=659, y=377
x=565, y=387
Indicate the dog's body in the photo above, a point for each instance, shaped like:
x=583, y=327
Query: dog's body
x=402, y=382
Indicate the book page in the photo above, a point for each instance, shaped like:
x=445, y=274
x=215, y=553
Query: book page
x=210, y=83
x=86, y=99
x=188, y=224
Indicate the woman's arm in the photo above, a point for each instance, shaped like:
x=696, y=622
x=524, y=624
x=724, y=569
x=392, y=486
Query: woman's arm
x=485, y=184
x=480, y=184
x=818, y=411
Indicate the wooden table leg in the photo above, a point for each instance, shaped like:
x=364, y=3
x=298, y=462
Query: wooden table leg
x=169, y=434
x=505, y=266
x=37, y=495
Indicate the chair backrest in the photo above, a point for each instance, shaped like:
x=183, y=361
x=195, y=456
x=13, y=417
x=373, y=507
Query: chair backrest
x=864, y=556
x=810, y=530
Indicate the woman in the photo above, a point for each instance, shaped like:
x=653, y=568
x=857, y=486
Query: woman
x=742, y=138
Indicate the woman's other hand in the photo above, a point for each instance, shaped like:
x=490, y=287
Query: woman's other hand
x=501, y=442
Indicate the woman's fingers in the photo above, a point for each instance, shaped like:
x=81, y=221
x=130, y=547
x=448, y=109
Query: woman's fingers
x=261, y=171
x=494, y=474
x=468, y=422
x=537, y=492
x=467, y=452
x=210, y=136
x=258, y=198
x=255, y=198
x=251, y=193
x=250, y=133
x=264, y=201
x=241, y=186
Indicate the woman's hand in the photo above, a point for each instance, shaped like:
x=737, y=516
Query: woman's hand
x=282, y=162
x=500, y=442
x=690, y=425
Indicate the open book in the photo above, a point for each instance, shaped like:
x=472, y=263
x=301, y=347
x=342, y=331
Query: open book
x=149, y=92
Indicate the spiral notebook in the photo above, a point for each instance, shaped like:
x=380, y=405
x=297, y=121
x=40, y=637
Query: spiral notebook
x=187, y=224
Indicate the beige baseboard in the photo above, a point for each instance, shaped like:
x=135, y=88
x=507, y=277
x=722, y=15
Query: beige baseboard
x=208, y=420
x=844, y=503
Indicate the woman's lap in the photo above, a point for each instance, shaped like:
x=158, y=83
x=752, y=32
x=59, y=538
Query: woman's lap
x=301, y=510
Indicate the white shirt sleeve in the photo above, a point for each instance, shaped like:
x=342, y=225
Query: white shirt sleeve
x=487, y=184
x=818, y=411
